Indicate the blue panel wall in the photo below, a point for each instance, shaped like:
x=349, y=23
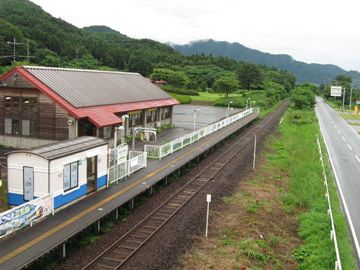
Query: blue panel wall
x=61, y=200
x=15, y=199
x=101, y=181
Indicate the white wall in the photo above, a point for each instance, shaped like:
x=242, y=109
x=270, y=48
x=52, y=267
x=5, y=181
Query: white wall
x=16, y=162
x=57, y=167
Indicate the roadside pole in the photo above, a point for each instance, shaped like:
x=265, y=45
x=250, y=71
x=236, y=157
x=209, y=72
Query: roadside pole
x=351, y=89
x=343, y=107
x=208, y=200
x=254, y=158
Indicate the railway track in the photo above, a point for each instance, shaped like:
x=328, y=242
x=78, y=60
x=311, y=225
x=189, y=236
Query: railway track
x=123, y=248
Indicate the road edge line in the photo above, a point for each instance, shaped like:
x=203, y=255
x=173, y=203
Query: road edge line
x=355, y=240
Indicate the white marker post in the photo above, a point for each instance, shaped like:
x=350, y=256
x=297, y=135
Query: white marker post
x=254, y=159
x=208, y=200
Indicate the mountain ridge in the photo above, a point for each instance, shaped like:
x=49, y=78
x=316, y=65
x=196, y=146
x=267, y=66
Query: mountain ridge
x=305, y=72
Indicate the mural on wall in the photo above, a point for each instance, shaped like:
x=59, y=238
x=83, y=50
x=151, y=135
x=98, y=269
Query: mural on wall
x=25, y=214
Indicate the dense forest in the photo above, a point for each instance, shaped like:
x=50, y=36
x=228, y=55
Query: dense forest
x=314, y=73
x=54, y=42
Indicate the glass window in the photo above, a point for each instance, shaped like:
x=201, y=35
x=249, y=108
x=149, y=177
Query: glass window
x=71, y=175
x=29, y=104
x=12, y=103
x=25, y=127
x=8, y=126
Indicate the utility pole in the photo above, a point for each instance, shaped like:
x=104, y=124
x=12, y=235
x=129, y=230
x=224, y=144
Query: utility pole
x=28, y=51
x=343, y=107
x=351, y=89
x=14, y=43
x=254, y=156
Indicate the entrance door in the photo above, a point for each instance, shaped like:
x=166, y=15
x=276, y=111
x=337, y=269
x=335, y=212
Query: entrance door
x=91, y=173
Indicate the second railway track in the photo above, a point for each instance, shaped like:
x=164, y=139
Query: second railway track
x=123, y=248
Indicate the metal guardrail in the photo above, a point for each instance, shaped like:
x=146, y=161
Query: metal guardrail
x=333, y=232
x=160, y=151
x=137, y=160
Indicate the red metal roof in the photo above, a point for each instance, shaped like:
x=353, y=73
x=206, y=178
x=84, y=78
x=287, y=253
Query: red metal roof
x=100, y=116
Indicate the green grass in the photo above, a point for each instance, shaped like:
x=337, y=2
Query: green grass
x=350, y=116
x=212, y=97
x=299, y=156
x=354, y=123
x=3, y=196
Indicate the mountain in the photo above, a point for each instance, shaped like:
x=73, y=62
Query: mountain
x=54, y=42
x=316, y=73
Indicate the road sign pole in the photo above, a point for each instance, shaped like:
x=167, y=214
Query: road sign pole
x=254, y=158
x=343, y=107
x=208, y=200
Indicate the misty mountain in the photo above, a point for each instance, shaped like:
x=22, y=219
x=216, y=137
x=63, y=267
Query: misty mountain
x=316, y=73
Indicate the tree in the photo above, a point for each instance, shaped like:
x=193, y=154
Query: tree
x=249, y=75
x=303, y=97
x=175, y=78
x=226, y=84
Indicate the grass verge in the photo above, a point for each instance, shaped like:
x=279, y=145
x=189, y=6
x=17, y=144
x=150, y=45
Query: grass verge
x=278, y=218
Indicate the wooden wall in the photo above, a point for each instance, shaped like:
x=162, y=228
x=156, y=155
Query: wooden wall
x=51, y=119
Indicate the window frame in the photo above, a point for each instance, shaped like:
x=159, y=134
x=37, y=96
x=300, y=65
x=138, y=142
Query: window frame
x=70, y=174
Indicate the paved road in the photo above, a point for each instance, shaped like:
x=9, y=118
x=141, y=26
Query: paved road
x=343, y=145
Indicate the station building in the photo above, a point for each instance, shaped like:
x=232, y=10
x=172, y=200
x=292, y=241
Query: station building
x=41, y=105
x=68, y=169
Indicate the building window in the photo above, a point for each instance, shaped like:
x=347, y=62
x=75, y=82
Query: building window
x=71, y=175
x=107, y=132
x=29, y=104
x=12, y=104
x=165, y=113
x=12, y=126
x=151, y=116
x=135, y=119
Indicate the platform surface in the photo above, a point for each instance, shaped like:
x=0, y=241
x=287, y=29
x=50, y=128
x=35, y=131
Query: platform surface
x=25, y=246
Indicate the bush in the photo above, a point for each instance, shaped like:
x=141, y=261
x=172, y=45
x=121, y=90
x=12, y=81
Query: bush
x=303, y=98
x=182, y=99
x=186, y=92
x=301, y=117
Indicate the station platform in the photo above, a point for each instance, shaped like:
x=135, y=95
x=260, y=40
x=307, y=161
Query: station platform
x=25, y=246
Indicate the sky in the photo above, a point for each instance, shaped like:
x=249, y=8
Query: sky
x=313, y=31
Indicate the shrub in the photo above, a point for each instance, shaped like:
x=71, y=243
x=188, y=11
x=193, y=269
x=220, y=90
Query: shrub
x=182, y=99
x=186, y=92
x=303, y=98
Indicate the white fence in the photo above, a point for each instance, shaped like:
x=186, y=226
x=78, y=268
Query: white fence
x=333, y=232
x=160, y=151
x=137, y=160
x=26, y=214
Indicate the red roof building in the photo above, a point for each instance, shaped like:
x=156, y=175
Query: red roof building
x=40, y=104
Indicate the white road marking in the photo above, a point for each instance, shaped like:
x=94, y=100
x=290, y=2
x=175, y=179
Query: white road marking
x=343, y=138
x=339, y=131
x=357, y=158
x=349, y=146
x=336, y=126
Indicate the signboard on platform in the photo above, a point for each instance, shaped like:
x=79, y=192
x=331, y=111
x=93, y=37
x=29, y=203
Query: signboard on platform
x=336, y=91
x=121, y=153
x=25, y=214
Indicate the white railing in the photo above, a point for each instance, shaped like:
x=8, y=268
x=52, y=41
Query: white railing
x=26, y=214
x=137, y=160
x=160, y=151
x=333, y=232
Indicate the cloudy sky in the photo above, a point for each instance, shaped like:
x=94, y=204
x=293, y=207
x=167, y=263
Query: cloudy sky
x=320, y=31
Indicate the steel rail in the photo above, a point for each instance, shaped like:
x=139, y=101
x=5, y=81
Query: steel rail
x=123, y=248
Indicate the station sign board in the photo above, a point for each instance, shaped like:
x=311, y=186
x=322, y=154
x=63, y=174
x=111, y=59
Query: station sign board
x=335, y=91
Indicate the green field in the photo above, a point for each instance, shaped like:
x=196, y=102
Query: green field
x=278, y=218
